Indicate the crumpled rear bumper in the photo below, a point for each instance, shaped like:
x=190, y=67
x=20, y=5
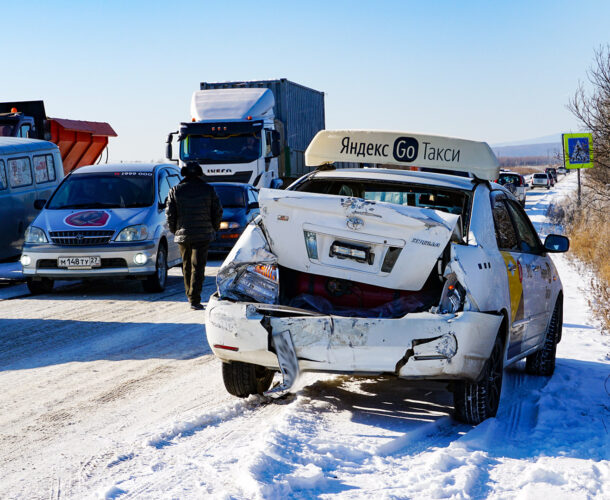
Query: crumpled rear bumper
x=417, y=346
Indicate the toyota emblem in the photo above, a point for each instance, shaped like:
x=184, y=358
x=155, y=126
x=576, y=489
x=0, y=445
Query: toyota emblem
x=355, y=223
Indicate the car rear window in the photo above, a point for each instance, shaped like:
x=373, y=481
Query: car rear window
x=540, y=176
x=105, y=190
x=231, y=196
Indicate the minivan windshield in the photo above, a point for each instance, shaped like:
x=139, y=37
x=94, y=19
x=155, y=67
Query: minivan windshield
x=231, y=196
x=105, y=190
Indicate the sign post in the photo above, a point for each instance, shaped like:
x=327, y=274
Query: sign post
x=578, y=153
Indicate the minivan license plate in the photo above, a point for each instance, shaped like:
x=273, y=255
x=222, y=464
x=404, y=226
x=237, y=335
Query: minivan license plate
x=79, y=262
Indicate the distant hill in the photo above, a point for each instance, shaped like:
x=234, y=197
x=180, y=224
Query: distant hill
x=548, y=149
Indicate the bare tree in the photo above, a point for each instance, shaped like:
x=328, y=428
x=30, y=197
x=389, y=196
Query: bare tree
x=593, y=111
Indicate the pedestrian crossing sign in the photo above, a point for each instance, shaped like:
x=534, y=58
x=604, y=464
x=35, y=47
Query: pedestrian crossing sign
x=578, y=150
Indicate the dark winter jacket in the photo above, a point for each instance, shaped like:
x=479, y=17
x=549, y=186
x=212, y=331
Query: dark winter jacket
x=193, y=211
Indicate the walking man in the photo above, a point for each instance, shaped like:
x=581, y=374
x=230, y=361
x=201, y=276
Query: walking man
x=193, y=213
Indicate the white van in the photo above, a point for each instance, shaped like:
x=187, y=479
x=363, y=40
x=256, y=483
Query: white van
x=29, y=170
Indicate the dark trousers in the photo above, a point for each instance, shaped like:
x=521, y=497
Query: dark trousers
x=194, y=258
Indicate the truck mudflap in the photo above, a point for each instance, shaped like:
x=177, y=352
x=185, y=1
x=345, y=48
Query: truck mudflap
x=417, y=346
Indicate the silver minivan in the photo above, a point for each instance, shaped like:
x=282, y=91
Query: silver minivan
x=104, y=221
x=29, y=169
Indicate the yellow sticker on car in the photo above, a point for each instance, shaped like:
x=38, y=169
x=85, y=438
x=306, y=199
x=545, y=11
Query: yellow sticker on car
x=515, y=286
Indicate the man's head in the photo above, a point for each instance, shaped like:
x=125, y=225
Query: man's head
x=191, y=169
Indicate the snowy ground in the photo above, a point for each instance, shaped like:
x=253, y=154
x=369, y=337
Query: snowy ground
x=108, y=392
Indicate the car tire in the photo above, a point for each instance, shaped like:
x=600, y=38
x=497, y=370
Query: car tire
x=478, y=401
x=155, y=283
x=44, y=285
x=542, y=362
x=244, y=379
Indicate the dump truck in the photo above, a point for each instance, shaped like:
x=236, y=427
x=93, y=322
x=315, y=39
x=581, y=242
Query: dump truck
x=80, y=142
x=253, y=132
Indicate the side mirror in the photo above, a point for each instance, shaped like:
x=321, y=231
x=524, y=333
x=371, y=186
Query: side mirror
x=162, y=204
x=556, y=243
x=275, y=143
x=169, y=154
x=252, y=206
x=39, y=204
x=276, y=183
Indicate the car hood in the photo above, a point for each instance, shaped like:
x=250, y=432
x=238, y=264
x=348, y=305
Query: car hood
x=401, y=243
x=91, y=219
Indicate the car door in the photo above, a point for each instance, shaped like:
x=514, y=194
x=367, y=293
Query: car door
x=173, y=179
x=162, y=194
x=537, y=275
x=253, y=209
x=508, y=245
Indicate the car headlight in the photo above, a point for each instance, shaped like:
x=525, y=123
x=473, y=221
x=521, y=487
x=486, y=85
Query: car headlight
x=229, y=225
x=34, y=234
x=133, y=233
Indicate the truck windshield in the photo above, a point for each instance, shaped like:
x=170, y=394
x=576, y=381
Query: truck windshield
x=208, y=149
x=231, y=196
x=105, y=190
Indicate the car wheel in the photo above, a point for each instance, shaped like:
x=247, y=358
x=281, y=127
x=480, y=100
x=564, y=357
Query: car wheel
x=45, y=285
x=477, y=401
x=542, y=362
x=156, y=282
x=243, y=379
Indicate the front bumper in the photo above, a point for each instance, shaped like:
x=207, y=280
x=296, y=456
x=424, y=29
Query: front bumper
x=418, y=346
x=117, y=260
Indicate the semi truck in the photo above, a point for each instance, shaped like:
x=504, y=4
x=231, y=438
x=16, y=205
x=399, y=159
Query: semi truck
x=80, y=142
x=253, y=132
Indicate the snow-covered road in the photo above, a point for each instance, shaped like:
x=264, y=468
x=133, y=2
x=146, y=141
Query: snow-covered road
x=108, y=392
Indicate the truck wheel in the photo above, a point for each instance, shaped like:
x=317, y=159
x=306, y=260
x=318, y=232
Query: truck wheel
x=542, y=362
x=45, y=285
x=243, y=379
x=156, y=282
x=477, y=401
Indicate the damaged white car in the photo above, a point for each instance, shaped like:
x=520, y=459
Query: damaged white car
x=420, y=274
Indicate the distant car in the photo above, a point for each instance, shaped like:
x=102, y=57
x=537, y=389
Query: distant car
x=375, y=271
x=541, y=180
x=103, y=221
x=239, y=207
x=552, y=174
x=515, y=183
x=562, y=170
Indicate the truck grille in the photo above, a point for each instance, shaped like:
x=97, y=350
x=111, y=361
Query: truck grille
x=236, y=177
x=78, y=238
x=106, y=263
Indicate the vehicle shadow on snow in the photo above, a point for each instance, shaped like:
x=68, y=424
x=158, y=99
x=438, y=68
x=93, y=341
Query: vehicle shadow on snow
x=562, y=415
x=34, y=343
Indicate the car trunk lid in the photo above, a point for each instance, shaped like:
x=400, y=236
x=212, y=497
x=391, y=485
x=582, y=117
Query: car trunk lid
x=382, y=244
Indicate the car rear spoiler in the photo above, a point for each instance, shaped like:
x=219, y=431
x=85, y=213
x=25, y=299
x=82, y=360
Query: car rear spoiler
x=405, y=150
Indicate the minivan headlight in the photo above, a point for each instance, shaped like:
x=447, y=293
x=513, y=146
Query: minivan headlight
x=133, y=233
x=228, y=225
x=34, y=234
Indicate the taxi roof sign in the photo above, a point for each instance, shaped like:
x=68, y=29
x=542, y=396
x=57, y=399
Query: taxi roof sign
x=578, y=150
x=403, y=149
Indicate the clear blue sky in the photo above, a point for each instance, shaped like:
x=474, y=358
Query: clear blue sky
x=493, y=71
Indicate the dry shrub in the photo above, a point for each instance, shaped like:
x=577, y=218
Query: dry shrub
x=588, y=228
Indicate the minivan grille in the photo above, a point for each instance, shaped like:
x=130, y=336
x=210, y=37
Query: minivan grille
x=83, y=237
x=106, y=263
